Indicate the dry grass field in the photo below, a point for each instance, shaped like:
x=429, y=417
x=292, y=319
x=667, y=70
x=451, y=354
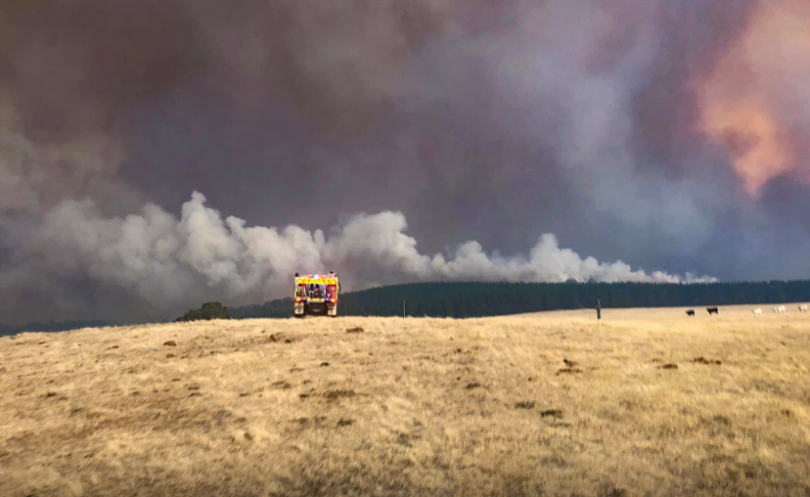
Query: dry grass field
x=657, y=404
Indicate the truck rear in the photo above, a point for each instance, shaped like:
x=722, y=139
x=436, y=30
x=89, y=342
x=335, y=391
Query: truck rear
x=316, y=295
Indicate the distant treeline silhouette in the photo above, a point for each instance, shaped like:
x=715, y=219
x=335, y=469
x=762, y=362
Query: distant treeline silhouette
x=51, y=326
x=462, y=300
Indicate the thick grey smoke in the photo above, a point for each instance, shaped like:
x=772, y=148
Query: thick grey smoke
x=166, y=261
x=632, y=130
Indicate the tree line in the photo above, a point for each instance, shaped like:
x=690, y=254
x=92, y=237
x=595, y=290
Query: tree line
x=461, y=300
x=50, y=326
x=208, y=311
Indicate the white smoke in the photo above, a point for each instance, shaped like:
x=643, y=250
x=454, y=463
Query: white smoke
x=67, y=258
x=168, y=261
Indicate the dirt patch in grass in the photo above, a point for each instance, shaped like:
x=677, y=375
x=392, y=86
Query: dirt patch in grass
x=708, y=362
x=333, y=395
x=553, y=413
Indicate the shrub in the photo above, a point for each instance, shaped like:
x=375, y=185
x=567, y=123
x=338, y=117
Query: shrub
x=208, y=311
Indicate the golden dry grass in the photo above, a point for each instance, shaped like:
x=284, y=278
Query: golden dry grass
x=413, y=407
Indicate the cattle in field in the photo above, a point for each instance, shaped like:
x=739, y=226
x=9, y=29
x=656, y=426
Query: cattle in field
x=690, y=313
x=803, y=308
x=779, y=309
x=757, y=312
x=713, y=310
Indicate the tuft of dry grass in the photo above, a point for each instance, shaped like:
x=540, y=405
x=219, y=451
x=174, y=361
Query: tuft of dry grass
x=555, y=404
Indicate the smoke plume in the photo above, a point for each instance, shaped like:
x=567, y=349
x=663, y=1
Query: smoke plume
x=166, y=261
x=671, y=135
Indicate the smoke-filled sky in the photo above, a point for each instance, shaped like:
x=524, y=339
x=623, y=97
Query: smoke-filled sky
x=159, y=153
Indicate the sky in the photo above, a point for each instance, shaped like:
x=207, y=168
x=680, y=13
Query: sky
x=161, y=153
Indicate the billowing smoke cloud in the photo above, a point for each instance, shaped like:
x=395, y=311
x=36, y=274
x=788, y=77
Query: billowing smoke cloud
x=671, y=135
x=165, y=261
x=755, y=101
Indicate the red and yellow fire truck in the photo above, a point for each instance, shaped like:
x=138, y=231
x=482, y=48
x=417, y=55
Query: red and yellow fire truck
x=316, y=294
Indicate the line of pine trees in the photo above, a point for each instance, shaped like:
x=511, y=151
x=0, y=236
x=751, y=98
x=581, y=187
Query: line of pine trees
x=462, y=300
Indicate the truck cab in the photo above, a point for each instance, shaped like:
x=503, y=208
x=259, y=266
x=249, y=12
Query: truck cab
x=316, y=294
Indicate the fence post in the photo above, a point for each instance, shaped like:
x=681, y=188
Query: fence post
x=598, y=309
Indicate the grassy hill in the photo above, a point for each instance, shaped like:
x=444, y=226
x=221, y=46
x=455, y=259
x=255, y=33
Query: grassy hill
x=656, y=404
x=497, y=299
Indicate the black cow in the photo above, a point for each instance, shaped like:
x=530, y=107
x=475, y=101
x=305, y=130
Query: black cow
x=712, y=310
x=690, y=313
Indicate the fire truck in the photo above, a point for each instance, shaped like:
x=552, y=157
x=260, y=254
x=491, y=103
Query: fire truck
x=316, y=294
